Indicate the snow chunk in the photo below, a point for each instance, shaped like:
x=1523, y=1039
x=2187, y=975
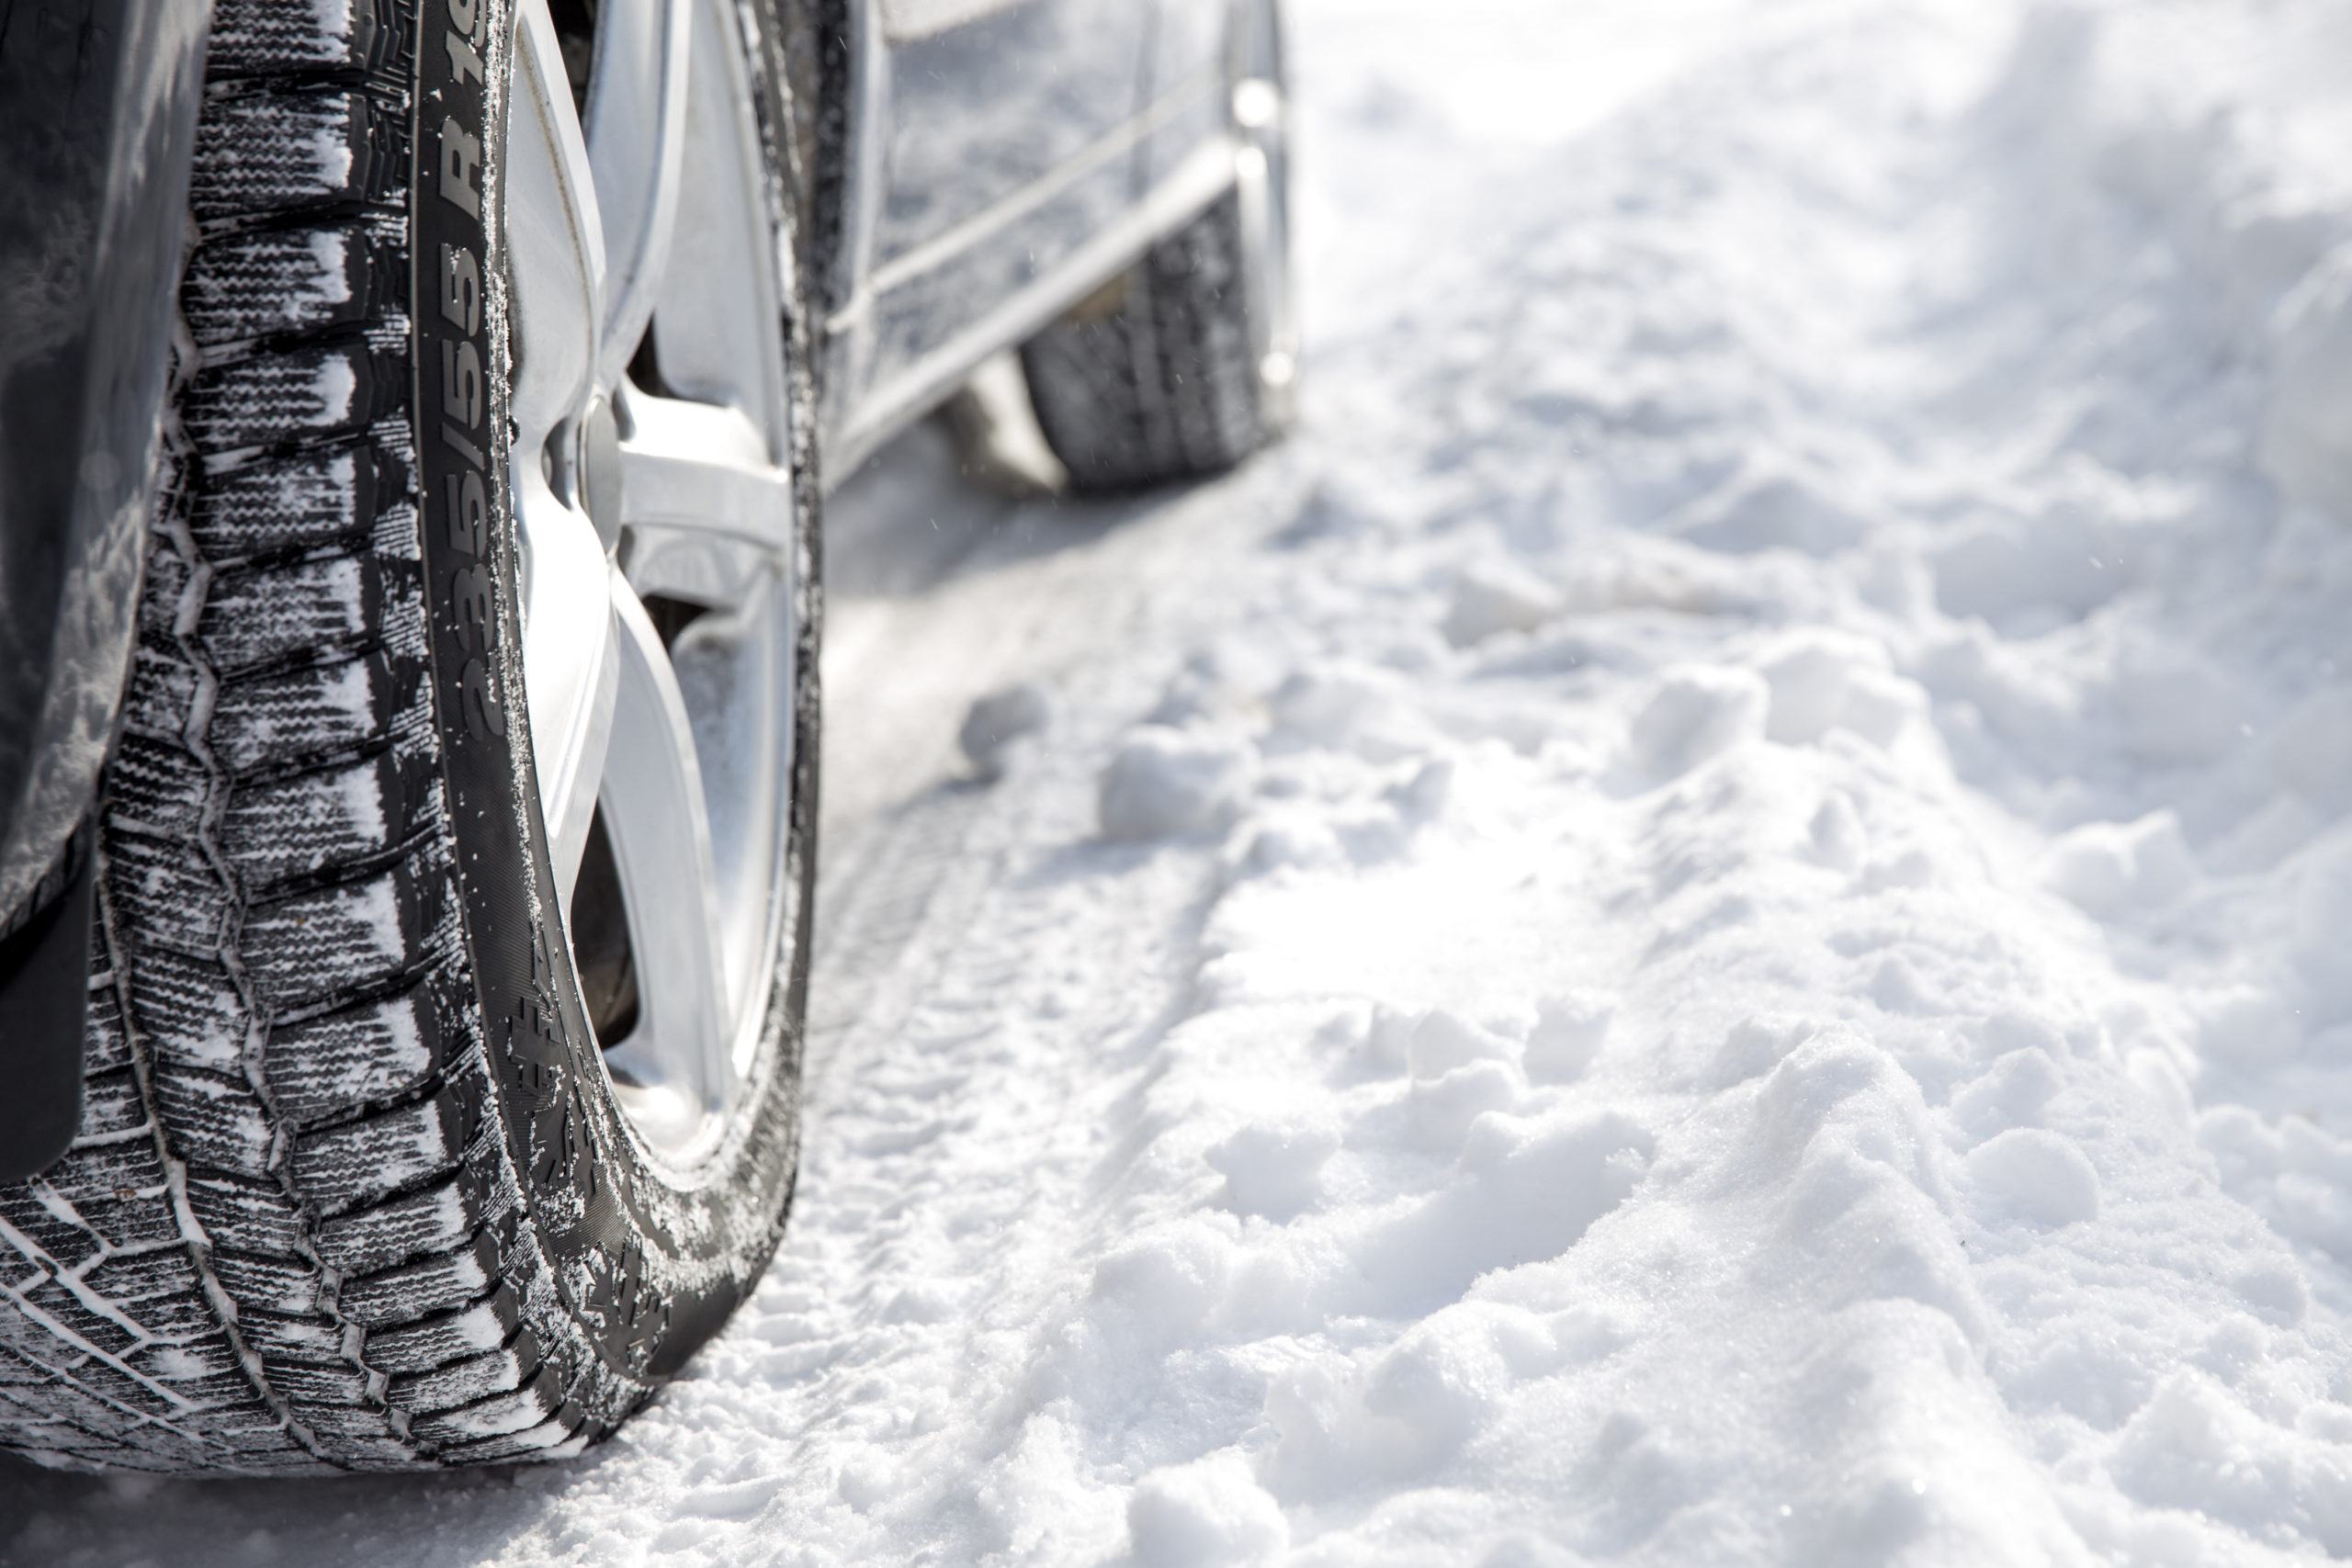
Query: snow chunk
x=1764, y=510
x=1497, y=598
x=1444, y=1107
x=1568, y=1033
x=2110, y=868
x=1164, y=781
x=1271, y=1167
x=1754, y=1046
x=2039, y=1176
x=2193, y=1446
x=1836, y=837
x=1406, y=1409
x=1528, y=1189
x=1821, y=681
x=2274, y=1292
x=1441, y=1042
x=997, y=721
x=2298, y=1176
x=2013, y=1093
x=1203, y=1515
x=1698, y=711
x=1347, y=705
x=1169, y=1280
x=1808, y=683
x=2176, y=710
x=331, y=158
x=2028, y=574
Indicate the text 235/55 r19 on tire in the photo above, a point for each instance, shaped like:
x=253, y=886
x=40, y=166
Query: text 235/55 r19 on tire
x=355, y=1186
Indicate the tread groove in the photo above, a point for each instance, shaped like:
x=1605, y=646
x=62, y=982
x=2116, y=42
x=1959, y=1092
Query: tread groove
x=198, y=1243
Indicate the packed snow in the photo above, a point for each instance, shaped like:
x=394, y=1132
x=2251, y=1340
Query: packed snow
x=1711, y=923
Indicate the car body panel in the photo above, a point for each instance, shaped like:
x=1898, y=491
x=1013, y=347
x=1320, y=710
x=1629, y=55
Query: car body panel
x=992, y=177
x=965, y=133
x=985, y=201
x=905, y=19
x=1186, y=74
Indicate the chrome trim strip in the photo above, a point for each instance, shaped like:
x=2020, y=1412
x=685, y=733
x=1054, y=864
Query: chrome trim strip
x=904, y=21
x=944, y=246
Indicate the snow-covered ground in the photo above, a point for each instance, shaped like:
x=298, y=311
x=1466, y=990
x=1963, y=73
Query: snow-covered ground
x=1713, y=923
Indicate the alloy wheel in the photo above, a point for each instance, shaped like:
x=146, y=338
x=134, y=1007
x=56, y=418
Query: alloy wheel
x=659, y=570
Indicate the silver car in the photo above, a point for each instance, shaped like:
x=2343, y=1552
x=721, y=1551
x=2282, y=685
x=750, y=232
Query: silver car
x=402, y=982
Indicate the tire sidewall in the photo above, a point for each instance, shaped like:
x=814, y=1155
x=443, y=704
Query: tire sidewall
x=631, y=1263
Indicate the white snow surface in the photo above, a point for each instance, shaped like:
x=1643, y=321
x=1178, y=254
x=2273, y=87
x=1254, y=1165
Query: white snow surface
x=1711, y=923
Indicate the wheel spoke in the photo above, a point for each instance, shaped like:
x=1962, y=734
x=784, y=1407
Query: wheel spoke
x=558, y=265
x=555, y=239
x=705, y=509
x=570, y=670
x=735, y=670
x=635, y=132
x=655, y=815
x=719, y=315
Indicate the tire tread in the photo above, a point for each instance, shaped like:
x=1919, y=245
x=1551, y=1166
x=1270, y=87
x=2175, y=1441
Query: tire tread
x=1157, y=383
x=291, y=1236
x=278, y=921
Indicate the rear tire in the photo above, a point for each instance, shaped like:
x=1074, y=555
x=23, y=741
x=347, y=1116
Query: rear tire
x=353, y=1190
x=1186, y=363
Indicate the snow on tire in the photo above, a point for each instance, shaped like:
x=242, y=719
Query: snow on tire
x=353, y=1188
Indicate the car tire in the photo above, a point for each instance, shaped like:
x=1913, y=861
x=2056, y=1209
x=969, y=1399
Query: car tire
x=356, y=1188
x=1187, y=362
